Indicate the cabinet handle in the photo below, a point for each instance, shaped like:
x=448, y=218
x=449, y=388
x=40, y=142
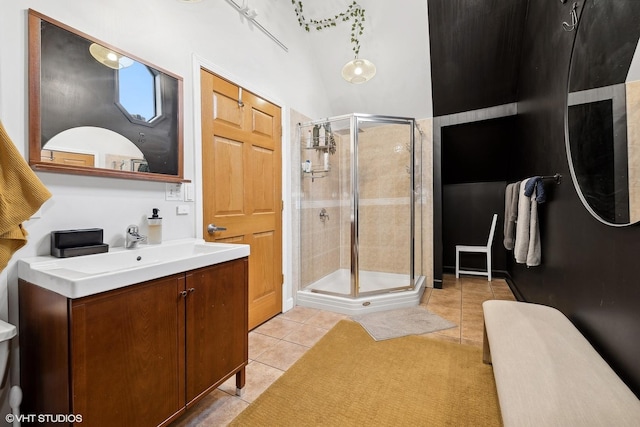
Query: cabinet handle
x=192, y=290
x=183, y=294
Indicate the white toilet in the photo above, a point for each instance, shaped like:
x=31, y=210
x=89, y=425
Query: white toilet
x=7, y=331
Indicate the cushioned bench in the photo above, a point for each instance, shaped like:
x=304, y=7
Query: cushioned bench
x=547, y=373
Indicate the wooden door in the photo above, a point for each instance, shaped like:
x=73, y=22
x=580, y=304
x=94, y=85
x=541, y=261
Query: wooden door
x=216, y=333
x=127, y=355
x=242, y=189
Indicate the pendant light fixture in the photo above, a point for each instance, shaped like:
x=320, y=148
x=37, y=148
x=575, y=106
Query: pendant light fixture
x=358, y=70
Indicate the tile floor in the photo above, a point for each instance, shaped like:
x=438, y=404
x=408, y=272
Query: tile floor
x=279, y=343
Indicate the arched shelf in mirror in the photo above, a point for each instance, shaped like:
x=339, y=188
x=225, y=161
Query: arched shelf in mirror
x=97, y=110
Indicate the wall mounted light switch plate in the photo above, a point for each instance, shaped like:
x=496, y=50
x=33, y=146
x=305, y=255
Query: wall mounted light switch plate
x=174, y=192
x=189, y=191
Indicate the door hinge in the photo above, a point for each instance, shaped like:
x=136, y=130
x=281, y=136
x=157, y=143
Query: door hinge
x=281, y=205
x=282, y=280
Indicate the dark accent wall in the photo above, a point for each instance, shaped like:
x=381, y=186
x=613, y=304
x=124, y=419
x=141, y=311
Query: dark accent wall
x=479, y=151
x=475, y=60
x=476, y=164
x=475, y=49
x=589, y=270
x=468, y=212
x=608, y=39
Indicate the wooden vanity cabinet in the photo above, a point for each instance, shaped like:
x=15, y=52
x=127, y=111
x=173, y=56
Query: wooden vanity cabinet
x=126, y=354
x=138, y=355
x=216, y=327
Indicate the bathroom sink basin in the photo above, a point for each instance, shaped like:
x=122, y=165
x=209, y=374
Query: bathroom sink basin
x=91, y=274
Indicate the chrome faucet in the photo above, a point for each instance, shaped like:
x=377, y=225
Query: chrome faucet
x=133, y=237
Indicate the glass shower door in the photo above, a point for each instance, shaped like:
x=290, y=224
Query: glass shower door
x=383, y=226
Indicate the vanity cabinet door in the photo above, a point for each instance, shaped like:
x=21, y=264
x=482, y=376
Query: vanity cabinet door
x=217, y=326
x=127, y=354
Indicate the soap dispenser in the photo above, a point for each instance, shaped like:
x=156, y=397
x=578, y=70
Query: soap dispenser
x=155, y=228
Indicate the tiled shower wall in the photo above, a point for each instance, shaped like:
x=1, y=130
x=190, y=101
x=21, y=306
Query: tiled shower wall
x=320, y=240
x=384, y=199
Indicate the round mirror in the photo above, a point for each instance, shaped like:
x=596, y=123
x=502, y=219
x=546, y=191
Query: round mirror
x=603, y=112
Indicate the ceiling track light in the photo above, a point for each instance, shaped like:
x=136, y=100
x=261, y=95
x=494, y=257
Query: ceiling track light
x=248, y=12
x=251, y=14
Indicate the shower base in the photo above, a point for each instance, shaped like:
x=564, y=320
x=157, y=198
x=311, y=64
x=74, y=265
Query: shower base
x=339, y=282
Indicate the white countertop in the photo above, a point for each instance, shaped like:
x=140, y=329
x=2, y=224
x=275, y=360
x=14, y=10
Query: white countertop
x=86, y=275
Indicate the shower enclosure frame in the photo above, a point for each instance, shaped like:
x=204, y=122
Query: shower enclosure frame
x=355, y=121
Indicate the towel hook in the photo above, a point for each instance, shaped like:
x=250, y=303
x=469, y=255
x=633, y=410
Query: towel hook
x=240, y=103
x=574, y=18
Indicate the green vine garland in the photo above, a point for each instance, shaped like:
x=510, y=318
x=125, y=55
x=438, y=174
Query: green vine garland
x=354, y=13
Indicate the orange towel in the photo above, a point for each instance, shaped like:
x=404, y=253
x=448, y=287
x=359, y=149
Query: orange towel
x=21, y=195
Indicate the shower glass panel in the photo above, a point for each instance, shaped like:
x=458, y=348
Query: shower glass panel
x=383, y=198
x=357, y=206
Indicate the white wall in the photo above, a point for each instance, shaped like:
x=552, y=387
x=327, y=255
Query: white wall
x=395, y=39
x=169, y=34
x=177, y=37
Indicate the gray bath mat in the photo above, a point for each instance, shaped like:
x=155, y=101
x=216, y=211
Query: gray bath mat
x=383, y=325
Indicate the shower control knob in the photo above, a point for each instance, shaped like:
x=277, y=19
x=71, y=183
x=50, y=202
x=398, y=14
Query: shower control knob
x=212, y=228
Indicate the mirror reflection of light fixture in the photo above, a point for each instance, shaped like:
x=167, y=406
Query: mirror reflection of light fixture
x=358, y=71
x=108, y=57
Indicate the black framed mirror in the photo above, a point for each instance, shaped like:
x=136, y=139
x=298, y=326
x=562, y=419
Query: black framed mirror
x=603, y=111
x=96, y=110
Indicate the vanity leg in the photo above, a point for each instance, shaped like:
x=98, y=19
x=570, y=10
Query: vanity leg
x=240, y=379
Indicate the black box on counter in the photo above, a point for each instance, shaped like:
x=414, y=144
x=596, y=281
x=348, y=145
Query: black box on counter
x=69, y=243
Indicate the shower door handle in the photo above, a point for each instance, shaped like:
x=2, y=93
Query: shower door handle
x=212, y=228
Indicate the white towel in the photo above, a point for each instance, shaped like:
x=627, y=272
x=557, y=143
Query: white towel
x=512, y=193
x=534, y=253
x=527, y=246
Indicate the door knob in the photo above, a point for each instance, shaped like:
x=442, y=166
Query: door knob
x=212, y=228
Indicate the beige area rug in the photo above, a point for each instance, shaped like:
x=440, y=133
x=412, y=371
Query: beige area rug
x=348, y=379
x=384, y=325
